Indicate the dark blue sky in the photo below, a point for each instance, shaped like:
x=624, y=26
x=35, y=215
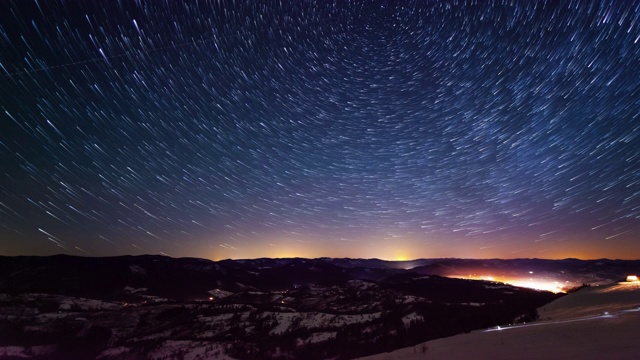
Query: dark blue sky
x=309, y=128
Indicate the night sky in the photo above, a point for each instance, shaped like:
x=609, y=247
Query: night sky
x=389, y=129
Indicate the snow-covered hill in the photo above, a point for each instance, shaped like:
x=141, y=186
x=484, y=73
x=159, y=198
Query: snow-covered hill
x=593, y=323
x=153, y=307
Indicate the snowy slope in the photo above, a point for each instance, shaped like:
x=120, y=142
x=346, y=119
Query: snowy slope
x=594, y=323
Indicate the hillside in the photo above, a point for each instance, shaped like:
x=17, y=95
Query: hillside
x=158, y=307
x=593, y=323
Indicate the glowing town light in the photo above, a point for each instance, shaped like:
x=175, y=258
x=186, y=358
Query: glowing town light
x=537, y=284
x=632, y=278
x=554, y=286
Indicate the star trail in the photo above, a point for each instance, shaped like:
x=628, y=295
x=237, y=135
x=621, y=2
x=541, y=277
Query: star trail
x=390, y=129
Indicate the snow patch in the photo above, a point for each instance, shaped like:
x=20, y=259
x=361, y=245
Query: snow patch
x=136, y=269
x=132, y=290
x=220, y=294
x=317, y=337
x=413, y=317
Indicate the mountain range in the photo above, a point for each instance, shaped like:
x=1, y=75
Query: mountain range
x=132, y=307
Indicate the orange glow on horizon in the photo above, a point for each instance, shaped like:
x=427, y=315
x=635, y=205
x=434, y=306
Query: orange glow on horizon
x=400, y=256
x=315, y=250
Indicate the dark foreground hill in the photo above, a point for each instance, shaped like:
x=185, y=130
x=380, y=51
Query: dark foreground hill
x=597, y=322
x=160, y=307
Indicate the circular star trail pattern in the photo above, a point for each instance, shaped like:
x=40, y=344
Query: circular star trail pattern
x=315, y=128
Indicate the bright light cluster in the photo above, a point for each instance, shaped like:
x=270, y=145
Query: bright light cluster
x=553, y=286
x=538, y=284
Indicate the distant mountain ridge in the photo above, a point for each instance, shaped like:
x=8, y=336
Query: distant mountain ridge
x=189, y=278
x=594, y=272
